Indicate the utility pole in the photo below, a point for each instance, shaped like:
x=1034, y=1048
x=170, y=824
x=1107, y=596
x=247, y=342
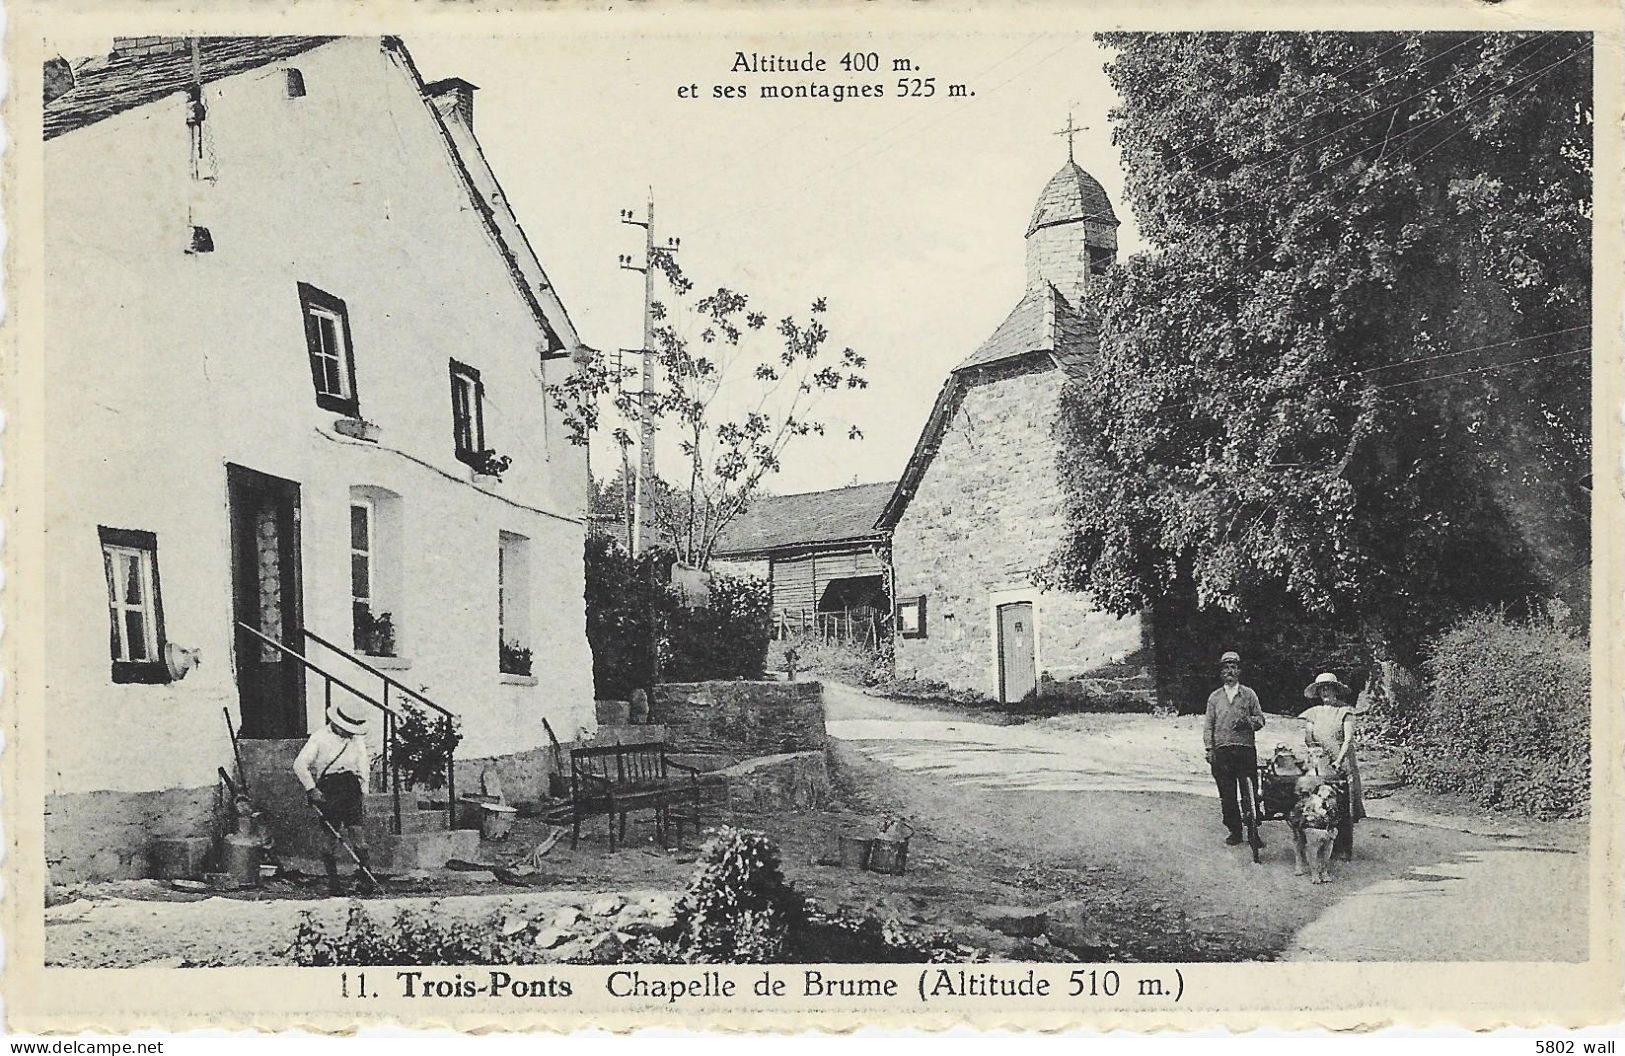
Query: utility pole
x=643, y=515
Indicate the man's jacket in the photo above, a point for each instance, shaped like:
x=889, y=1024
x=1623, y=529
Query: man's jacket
x=1232, y=723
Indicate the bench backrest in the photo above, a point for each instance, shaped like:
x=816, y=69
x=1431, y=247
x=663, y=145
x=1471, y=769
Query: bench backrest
x=642, y=762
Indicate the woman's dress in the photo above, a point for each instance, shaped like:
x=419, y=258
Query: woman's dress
x=1327, y=726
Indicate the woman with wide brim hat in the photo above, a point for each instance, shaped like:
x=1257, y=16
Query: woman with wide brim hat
x=1331, y=726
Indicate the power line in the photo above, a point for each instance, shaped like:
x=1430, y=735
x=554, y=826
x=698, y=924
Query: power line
x=1480, y=370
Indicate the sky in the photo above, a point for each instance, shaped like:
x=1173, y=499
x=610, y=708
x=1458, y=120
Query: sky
x=906, y=214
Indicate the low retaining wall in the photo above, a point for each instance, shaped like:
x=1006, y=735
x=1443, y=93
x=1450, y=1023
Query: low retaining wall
x=108, y=835
x=791, y=781
x=1131, y=693
x=741, y=718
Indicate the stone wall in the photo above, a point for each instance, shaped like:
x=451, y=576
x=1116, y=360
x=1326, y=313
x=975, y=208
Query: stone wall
x=108, y=835
x=792, y=781
x=747, y=718
x=988, y=513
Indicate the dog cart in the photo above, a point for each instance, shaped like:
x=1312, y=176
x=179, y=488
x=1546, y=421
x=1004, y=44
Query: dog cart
x=1272, y=794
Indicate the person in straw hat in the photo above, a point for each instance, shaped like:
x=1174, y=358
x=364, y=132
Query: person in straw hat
x=1331, y=726
x=332, y=767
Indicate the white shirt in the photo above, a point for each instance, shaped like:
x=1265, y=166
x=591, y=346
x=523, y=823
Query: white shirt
x=328, y=753
x=1231, y=691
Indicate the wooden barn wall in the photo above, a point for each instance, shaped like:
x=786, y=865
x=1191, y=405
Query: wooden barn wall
x=798, y=582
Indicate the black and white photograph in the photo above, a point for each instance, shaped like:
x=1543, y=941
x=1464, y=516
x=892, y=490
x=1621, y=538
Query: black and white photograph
x=1017, y=508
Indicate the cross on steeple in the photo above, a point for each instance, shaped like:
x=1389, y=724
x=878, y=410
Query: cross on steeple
x=1069, y=131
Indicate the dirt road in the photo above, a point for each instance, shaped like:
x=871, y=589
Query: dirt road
x=1126, y=800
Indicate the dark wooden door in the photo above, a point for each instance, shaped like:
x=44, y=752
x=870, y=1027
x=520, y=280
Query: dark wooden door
x=1018, y=674
x=266, y=595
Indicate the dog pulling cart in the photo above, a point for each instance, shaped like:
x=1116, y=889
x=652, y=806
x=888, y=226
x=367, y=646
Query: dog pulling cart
x=1273, y=793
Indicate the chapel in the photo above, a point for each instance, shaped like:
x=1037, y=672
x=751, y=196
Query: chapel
x=979, y=508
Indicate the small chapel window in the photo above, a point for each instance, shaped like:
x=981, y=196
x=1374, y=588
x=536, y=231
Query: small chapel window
x=911, y=617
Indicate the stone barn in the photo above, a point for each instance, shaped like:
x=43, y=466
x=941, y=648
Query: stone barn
x=979, y=507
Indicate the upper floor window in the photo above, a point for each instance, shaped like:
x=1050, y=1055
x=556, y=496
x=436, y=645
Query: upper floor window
x=332, y=357
x=467, y=413
x=134, y=608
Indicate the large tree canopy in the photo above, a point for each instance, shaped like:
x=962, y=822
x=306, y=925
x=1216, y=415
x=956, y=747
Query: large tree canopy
x=1351, y=376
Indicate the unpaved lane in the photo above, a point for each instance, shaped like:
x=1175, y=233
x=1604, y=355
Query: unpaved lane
x=1130, y=795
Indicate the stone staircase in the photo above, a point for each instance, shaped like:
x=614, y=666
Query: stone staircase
x=426, y=840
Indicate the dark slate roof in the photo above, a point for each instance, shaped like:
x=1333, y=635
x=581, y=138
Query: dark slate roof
x=1042, y=321
x=1045, y=328
x=774, y=522
x=110, y=85
x=1070, y=195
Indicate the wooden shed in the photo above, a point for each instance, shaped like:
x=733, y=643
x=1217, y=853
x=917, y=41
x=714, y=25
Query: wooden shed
x=829, y=566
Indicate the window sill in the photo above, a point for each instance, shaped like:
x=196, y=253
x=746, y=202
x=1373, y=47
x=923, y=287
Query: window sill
x=357, y=429
x=387, y=663
x=517, y=680
x=487, y=480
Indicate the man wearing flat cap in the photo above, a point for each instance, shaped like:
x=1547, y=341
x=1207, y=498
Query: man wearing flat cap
x=1233, y=717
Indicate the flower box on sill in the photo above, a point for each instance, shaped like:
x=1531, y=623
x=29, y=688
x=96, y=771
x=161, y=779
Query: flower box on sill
x=356, y=429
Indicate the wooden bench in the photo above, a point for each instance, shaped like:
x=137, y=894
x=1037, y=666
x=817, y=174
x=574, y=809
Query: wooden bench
x=617, y=779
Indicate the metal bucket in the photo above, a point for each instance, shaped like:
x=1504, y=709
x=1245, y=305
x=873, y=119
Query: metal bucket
x=888, y=856
x=855, y=852
x=497, y=821
x=241, y=857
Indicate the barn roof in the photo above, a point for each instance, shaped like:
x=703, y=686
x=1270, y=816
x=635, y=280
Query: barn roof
x=774, y=522
x=1043, y=332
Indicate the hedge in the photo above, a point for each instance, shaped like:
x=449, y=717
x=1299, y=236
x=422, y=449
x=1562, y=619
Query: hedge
x=1507, y=716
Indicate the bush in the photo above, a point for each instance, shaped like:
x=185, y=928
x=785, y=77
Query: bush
x=1507, y=715
x=738, y=908
x=728, y=638
x=424, y=743
x=725, y=639
x=411, y=937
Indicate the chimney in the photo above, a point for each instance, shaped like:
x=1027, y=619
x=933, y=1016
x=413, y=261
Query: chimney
x=58, y=78
x=138, y=47
x=453, y=98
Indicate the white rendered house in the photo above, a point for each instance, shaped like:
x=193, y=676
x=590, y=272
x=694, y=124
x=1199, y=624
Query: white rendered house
x=296, y=349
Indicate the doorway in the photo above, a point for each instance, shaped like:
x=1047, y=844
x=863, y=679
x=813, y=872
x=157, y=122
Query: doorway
x=266, y=595
x=1018, y=669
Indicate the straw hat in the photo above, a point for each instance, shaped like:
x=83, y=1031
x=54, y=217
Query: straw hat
x=352, y=722
x=1312, y=690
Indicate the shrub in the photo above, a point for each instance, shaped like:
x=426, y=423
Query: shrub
x=410, y=937
x=727, y=638
x=738, y=908
x=630, y=605
x=423, y=745
x=1507, y=715
x=623, y=610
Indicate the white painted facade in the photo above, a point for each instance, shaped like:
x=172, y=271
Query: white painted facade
x=165, y=366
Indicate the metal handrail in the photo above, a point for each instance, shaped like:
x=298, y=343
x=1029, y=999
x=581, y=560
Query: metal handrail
x=330, y=679
x=357, y=661
x=390, y=682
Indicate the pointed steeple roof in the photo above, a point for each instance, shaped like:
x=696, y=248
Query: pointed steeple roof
x=1069, y=196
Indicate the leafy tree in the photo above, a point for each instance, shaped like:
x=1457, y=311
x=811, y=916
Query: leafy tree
x=734, y=397
x=1350, y=383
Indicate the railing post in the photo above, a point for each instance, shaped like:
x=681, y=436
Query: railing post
x=451, y=777
x=390, y=741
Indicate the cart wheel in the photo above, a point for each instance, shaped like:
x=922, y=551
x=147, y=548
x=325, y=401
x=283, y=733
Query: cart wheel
x=1249, y=815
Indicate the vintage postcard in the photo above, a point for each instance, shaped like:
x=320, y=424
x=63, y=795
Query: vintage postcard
x=527, y=517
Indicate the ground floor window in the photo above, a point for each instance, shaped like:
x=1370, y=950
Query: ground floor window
x=375, y=530
x=134, y=607
x=911, y=617
x=513, y=604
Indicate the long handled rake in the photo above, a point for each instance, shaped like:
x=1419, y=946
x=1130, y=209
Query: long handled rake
x=342, y=842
